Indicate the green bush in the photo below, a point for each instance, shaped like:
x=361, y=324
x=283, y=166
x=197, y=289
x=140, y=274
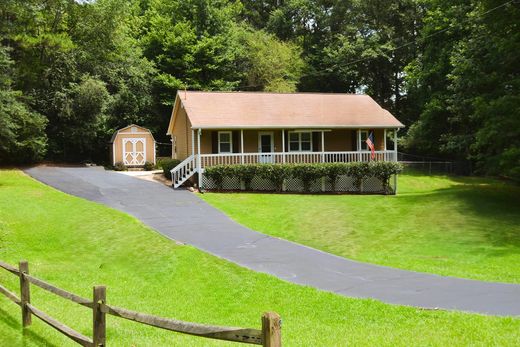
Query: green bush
x=217, y=173
x=119, y=166
x=358, y=171
x=246, y=173
x=167, y=165
x=307, y=173
x=148, y=166
x=276, y=173
x=384, y=170
x=332, y=171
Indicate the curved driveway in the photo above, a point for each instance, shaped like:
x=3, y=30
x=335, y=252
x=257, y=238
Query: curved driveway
x=182, y=216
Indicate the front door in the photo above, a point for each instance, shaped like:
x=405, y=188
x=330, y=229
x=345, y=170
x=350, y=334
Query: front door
x=266, y=147
x=134, y=151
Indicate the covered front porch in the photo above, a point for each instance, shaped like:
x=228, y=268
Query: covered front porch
x=253, y=146
x=210, y=147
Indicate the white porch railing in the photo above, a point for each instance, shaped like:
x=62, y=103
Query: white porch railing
x=182, y=172
x=294, y=157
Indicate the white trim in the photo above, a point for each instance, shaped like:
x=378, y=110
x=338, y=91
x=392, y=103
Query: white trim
x=192, y=141
x=360, y=142
x=230, y=141
x=114, y=153
x=283, y=145
x=242, y=145
x=199, y=171
x=134, y=153
x=384, y=139
x=260, y=133
x=299, y=141
x=298, y=126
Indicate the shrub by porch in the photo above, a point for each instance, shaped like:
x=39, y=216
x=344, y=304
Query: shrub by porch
x=354, y=177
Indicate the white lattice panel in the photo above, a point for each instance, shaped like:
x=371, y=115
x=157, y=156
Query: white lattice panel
x=258, y=183
x=372, y=185
x=343, y=184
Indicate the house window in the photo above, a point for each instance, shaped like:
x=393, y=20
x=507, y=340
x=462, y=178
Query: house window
x=225, y=142
x=363, y=135
x=300, y=141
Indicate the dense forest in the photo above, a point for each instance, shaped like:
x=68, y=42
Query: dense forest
x=74, y=71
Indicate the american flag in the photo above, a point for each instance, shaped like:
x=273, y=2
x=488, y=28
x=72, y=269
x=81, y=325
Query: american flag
x=370, y=144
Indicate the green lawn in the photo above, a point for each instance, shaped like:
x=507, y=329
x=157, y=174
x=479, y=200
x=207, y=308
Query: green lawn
x=76, y=244
x=464, y=227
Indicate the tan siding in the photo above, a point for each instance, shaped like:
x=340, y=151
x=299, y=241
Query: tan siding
x=379, y=137
x=338, y=140
x=182, y=134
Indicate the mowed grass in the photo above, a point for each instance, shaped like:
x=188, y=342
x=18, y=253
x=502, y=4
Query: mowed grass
x=76, y=244
x=456, y=226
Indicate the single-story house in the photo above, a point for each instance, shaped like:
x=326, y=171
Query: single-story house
x=210, y=128
x=133, y=146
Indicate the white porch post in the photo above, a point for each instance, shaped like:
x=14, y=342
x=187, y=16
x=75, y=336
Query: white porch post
x=395, y=159
x=283, y=145
x=192, y=141
x=322, y=146
x=358, y=145
x=199, y=163
x=242, y=146
x=384, y=146
x=395, y=144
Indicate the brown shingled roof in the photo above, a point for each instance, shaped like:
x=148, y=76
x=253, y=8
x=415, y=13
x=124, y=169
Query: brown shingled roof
x=279, y=110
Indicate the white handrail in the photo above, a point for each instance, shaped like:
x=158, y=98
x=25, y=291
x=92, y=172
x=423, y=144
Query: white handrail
x=183, y=171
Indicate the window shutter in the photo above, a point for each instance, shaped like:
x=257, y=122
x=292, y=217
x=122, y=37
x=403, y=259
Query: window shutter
x=236, y=141
x=316, y=138
x=354, y=140
x=286, y=137
x=214, y=142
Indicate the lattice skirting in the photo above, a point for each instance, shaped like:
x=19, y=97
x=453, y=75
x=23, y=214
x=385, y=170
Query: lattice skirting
x=344, y=184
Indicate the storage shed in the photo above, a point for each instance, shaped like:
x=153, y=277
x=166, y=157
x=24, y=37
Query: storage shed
x=133, y=146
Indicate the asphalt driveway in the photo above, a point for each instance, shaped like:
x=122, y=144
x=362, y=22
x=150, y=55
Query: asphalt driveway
x=182, y=216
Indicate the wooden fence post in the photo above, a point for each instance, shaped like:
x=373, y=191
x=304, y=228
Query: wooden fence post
x=25, y=293
x=271, y=329
x=99, y=317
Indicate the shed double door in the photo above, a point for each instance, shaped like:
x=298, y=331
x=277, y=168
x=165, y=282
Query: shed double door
x=134, y=150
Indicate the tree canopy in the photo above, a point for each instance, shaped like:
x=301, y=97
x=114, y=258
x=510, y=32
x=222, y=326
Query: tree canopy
x=75, y=71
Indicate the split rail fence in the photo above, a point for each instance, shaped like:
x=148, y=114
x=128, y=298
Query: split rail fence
x=269, y=335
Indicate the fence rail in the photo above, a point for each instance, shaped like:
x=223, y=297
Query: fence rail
x=269, y=335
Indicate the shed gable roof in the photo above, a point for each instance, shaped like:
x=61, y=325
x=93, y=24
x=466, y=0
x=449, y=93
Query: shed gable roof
x=142, y=129
x=278, y=110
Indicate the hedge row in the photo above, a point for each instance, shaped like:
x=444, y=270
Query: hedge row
x=307, y=173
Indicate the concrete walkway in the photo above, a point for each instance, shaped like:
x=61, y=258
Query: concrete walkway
x=182, y=216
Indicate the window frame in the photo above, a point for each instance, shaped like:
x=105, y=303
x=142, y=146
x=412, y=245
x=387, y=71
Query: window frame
x=362, y=142
x=219, y=142
x=299, y=141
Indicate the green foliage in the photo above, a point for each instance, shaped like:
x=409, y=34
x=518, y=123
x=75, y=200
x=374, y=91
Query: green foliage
x=358, y=171
x=384, y=170
x=332, y=171
x=22, y=137
x=276, y=173
x=167, y=165
x=119, y=166
x=246, y=173
x=148, y=166
x=308, y=173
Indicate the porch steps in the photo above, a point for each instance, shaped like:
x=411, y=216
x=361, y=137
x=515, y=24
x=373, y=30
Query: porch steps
x=182, y=172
